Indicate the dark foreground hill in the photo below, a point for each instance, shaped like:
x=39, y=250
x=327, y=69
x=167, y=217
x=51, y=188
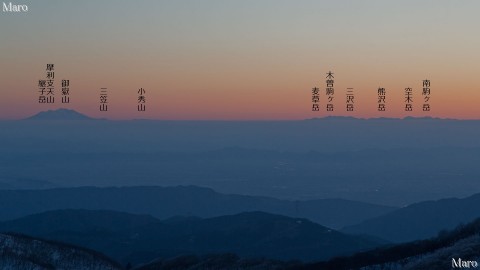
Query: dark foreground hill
x=420, y=220
x=140, y=239
x=166, y=202
x=22, y=252
x=219, y=262
x=461, y=245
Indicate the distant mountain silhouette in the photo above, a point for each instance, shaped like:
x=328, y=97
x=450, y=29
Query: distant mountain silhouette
x=420, y=220
x=60, y=114
x=24, y=252
x=251, y=234
x=351, y=118
x=335, y=118
x=425, y=118
x=166, y=202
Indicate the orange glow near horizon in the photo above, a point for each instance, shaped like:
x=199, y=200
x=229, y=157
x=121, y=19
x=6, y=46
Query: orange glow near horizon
x=243, y=60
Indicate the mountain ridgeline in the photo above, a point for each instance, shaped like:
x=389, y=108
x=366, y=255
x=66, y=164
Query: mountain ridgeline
x=334, y=157
x=244, y=241
x=166, y=202
x=421, y=220
x=327, y=193
x=139, y=239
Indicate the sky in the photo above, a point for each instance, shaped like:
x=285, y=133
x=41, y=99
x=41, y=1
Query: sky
x=242, y=59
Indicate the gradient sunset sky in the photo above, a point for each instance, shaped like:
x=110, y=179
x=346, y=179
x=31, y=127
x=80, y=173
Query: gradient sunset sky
x=243, y=59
